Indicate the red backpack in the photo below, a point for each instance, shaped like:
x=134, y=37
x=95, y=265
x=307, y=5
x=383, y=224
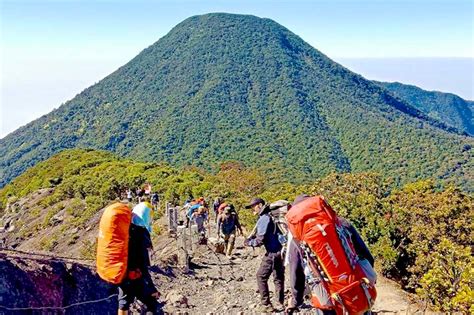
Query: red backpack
x=339, y=280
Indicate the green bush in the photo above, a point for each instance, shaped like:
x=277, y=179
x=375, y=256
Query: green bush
x=449, y=282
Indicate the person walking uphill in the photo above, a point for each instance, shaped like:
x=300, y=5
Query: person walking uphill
x=138, y=283
x=321, y=247
x=272, y=262
x=227, y=224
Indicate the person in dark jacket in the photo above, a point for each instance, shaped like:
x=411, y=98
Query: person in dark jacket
x=155, y=199
x=138, y=283
x=266, y=235
x=294, y=260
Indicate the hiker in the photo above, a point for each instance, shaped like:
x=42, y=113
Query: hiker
x=200, y=216
x=227, y=224
x=202, y=202
x=140, y=194
x=300, y=269
x=195, y=204
x=272, y=262
x=138, y=283
x=147, y=189
x=189, y=213
x=184, y=209
x=221, y=207
x=215, y=206
x=154, y=200
x=129, y=195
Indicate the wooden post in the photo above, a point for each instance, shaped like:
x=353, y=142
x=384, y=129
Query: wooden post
x=171, y=222
x=194, y=237
x=183, y=258
x=175, y=218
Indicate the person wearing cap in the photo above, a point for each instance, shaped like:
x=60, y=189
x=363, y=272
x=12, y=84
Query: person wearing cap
x=272, y=262
x=227, y=224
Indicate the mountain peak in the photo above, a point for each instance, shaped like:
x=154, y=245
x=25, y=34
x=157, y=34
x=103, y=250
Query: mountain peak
x=224, y=87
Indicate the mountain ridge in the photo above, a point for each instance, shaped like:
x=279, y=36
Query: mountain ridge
x=445, y=107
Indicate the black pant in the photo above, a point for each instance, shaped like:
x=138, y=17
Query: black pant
x=271, y=262
x=142, y=289
x=297, y=278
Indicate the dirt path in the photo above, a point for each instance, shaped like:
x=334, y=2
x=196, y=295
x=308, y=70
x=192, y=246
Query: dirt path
x=219, y=285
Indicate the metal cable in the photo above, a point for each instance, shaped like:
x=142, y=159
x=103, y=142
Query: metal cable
x=57, y=307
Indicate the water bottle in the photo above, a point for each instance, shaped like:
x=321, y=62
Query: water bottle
x=282, y=239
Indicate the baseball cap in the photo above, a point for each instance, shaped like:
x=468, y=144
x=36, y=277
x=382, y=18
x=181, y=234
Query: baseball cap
x=255, y=201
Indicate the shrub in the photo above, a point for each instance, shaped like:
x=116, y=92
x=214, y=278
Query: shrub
x=448, y=284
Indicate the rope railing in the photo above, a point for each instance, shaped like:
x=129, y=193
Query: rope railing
x=56, y=308
x=51, y=256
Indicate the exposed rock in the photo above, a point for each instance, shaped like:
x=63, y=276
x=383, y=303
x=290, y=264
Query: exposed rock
x=177, y=299
x=74, y=230
x=26, y=283
x=57, y=218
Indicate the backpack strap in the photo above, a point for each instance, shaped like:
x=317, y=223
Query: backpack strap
x=365, y=287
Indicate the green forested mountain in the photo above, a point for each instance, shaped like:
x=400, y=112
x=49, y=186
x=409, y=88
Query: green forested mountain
x=235, y=87
x=446, y=107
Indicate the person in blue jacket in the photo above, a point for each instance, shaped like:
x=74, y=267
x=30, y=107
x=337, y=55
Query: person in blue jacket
x=272, y=262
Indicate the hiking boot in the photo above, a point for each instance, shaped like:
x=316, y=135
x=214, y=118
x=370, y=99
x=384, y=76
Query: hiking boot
x=265, y=308
x=291, y=310
x=280, y=307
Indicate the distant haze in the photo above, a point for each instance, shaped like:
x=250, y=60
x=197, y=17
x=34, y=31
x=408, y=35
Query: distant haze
x=452, y=75
x=34, y=89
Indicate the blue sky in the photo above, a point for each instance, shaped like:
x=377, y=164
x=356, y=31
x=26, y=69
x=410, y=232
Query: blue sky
x=51, y=50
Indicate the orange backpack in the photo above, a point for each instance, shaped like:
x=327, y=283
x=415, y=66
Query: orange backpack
x=112, y=244
x=338, y=278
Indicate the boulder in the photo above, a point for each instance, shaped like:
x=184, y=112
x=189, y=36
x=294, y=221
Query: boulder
x=175, y=298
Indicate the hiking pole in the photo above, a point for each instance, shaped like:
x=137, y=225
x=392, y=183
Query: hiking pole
x=209, y=228
x=252, y=235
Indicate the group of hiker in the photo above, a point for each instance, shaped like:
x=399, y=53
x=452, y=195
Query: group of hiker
x=323, y=253
x=140, y=194
x=226, y=219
